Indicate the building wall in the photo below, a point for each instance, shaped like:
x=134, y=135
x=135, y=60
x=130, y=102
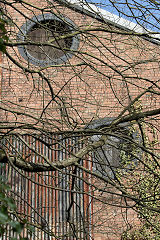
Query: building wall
x=95, y=89
x=107, y=77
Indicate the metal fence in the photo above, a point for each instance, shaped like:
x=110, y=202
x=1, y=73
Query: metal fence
x=54, y=202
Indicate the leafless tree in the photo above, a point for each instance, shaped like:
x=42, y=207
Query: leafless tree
x=79, y=120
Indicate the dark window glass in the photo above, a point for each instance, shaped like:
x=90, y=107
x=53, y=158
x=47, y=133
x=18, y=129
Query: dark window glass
x=44, y=32
x=119, y=152
x=107, y=158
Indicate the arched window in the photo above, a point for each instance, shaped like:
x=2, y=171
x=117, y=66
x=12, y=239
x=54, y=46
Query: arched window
x=118, y=152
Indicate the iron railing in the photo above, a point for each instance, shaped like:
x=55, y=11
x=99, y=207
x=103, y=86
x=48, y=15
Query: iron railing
x=58, y=203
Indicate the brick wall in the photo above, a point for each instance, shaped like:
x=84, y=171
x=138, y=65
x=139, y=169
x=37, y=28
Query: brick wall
x=94, y=89
x=85, y=89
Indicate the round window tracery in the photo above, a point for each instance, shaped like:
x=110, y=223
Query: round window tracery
x=44, y=29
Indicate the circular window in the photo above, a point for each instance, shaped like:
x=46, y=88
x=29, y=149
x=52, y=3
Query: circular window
x=45, y=29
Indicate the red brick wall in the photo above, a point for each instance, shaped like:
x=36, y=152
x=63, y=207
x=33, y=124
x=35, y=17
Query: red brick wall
x=93, y=90
x=91, y=93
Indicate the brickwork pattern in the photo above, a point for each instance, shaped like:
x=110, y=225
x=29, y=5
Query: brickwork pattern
x=89, y=91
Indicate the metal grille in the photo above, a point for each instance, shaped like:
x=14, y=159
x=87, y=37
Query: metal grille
x=44, y=32
x=48, y=200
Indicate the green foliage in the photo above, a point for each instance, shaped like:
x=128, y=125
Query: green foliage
x=8, y=219
x=129, y=152
x=148, y=190
x=140, y=233
x=144, y=183
x=3, y=33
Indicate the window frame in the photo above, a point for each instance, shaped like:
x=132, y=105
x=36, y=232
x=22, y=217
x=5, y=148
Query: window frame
x=110, y=164
x=28, y=25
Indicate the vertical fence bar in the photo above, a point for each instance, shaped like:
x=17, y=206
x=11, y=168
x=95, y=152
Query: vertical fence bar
x=42, y=203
